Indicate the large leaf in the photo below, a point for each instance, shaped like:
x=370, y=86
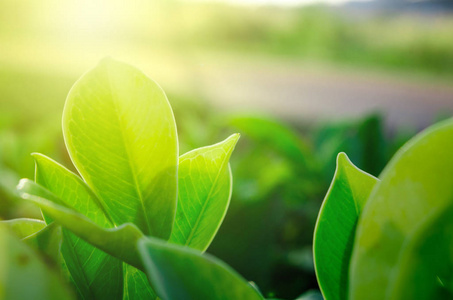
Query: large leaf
x=336, y=224
x=182, y=273
x=417, y=183
x=119, y=242
x=96, y=274
x=205, y=184
x=24, y=274
x=424, y=267
x=121, y=135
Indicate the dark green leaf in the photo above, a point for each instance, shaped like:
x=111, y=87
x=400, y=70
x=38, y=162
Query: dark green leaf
x=336, y=224
x=182, y=273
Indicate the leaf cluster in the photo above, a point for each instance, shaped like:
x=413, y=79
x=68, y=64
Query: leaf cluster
x=390, y=237
x=137, y=216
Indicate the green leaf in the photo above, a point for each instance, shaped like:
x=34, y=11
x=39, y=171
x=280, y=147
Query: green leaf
x=336, y=224
x=178, y=272
x=416, y=184
x=424, y=267
x=95, y=273
x=48, y=241
x=136, y=285
x=205, y=184
x=24, y=227
x=121, y=135
x=119, y=242
x=24, y=273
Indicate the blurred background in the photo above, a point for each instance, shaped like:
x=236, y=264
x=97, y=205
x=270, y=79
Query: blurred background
x=301, y=80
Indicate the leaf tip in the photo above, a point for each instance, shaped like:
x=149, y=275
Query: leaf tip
x=231, y=141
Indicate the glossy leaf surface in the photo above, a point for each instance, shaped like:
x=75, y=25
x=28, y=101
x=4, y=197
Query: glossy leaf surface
x=416, y=184
x=336, y=224
x=121, y=135
x=182, y=273
x=205, y=184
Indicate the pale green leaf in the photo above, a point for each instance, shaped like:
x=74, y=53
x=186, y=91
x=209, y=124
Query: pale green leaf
x=417, y=183
x=178, y=272
x=24, y=274
x=48, y=241
x=96, y=274
x=121, y=135
x=336, y=224
x=205, y=184
x=24, y=227
x=119, y=242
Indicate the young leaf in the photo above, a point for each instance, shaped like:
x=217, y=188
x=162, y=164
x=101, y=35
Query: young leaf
x=24, y=227
x=182, y=273
x=415, y=184
x=121, y=135
x=24, y=274
x=96, y=274
x=119, y=242
x=336, y=224
x=205, y=184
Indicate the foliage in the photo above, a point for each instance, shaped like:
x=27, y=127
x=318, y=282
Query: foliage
x=390, y=239
x=121, y=135
x=136, y=221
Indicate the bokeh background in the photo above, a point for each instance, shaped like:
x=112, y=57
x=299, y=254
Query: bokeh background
x=300, y=80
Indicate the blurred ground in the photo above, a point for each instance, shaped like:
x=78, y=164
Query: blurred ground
x=307, y=93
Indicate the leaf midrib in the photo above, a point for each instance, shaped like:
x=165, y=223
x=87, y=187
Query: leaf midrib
x=128, y=156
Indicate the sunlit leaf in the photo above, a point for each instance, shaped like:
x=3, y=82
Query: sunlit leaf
x=182, y=273
x=24, y=275
x=335, y=228
x=24, y=227
x=121, y=135
x=95, y=273
x=205, y=184
x=416, y=184
x=119, y=242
